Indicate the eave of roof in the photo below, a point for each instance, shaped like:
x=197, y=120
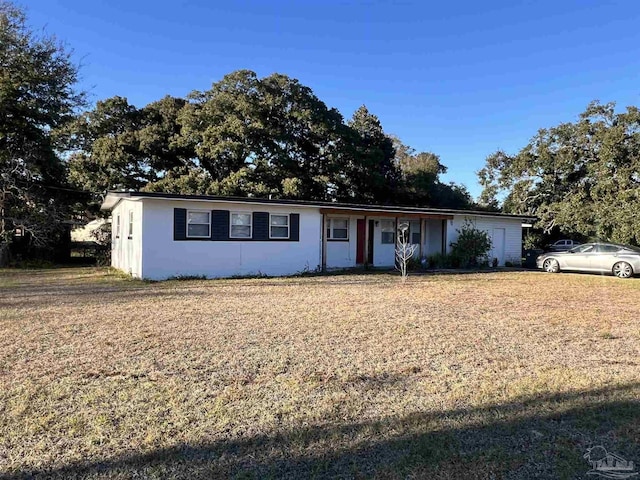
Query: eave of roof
x=114, y=197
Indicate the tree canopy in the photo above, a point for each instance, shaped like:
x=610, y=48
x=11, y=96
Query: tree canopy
x=420, y=182
x=117, y=145
x=246, y=135
x=269, y=136
x=578, y=177
x=37, y=97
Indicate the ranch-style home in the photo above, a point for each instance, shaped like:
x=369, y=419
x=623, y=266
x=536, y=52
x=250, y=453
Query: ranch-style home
x=162, y=235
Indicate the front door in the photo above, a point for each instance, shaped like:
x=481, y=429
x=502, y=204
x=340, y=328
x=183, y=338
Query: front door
x=371, y=234
x=360, y=241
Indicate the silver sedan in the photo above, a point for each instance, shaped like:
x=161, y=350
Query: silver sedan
x=621, y=260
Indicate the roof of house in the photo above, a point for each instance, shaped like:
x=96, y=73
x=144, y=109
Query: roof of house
x=114, y=197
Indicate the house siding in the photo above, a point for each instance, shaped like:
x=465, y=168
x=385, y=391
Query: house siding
x=159, y=247
x=220, y=256
x=340, y=253
x=384, y=254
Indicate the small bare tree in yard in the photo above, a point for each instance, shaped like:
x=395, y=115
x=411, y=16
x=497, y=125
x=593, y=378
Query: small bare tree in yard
x=404, y=250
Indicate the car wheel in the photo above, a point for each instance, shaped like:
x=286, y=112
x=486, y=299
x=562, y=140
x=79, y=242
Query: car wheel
x=622, y=270
x=551, y=265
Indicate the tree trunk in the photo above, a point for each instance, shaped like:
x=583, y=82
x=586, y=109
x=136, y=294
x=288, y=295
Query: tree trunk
x=4, y=254
x=4, y=245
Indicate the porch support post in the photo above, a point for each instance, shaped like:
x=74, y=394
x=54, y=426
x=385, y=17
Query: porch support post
x=366, y=241
x=444, y=237
x=421, y=237
x=324, y=243
x=395, y=242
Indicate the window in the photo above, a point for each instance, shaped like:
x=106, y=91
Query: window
x=240, y=225
x=388, y=229
x=198, y=224
x=279, y=226
x=118, y=226
x=608, y=248
x=130, y=223
x=414, y=228
x=338, y=229
x=588, y=248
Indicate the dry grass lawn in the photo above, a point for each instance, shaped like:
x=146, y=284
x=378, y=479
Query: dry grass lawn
x=495, y=375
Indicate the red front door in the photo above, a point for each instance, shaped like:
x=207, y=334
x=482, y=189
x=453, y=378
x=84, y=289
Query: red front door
x=360, y=242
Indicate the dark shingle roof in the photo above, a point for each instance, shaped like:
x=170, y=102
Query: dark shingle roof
x=113, y=197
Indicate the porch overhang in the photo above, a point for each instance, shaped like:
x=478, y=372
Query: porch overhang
x=384, y=213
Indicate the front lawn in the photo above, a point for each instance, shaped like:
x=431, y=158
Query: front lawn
x=491, y=375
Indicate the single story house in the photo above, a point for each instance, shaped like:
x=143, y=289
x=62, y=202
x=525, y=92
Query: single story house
x=161, y=235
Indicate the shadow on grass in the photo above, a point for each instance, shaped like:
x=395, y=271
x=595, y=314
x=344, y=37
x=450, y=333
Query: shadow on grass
x=536, y=437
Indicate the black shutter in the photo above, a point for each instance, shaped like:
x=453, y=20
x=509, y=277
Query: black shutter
x=179, y=223
x=220, y=225
x=294, y=219
x=261, y=226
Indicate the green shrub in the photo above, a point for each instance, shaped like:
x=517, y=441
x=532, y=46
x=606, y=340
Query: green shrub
x=103, y=257
x=471, y=250
x=439, y=260
x=414, y=265
x=532, y=241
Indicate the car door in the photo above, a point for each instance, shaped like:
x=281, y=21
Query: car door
x=604, y=258
x=579, y=258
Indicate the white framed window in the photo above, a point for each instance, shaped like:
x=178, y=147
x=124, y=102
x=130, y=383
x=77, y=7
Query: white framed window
x=388, y=232
x=414, y=228
x=337, y=229
x=198, y=224
x=117, y=226
x=278, y=225
x=130, y=223
x=241, y=225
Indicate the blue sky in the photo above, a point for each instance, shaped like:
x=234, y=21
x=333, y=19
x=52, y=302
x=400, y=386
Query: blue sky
x=460, y=79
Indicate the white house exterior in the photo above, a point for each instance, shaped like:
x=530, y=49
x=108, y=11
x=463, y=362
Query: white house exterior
x=158, y=235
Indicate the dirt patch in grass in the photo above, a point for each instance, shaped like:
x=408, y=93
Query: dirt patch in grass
x=495, y=375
